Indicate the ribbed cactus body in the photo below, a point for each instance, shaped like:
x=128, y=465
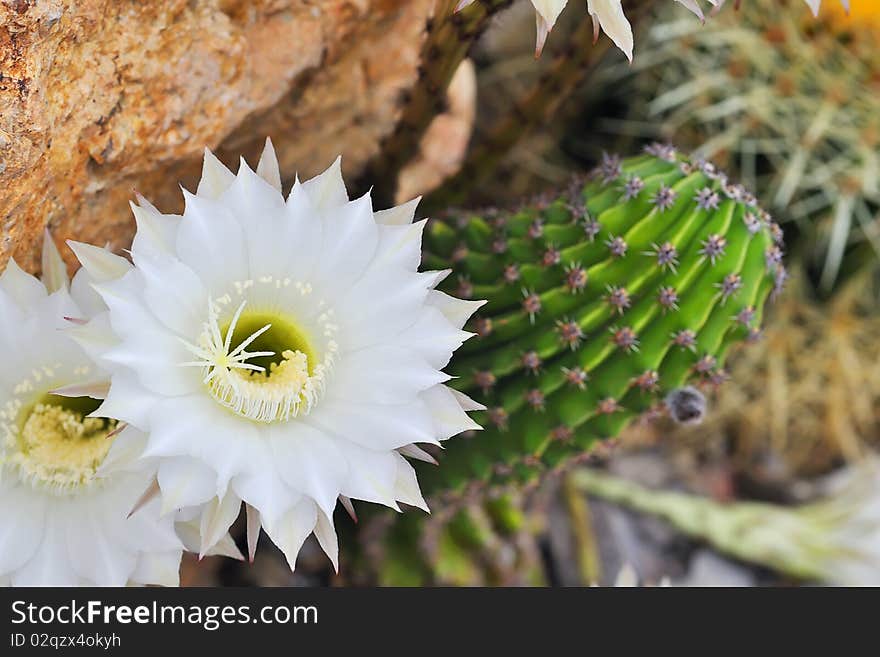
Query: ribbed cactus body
x=600, y=302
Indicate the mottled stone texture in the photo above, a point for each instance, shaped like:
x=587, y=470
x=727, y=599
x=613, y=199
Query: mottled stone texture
x=102, y=97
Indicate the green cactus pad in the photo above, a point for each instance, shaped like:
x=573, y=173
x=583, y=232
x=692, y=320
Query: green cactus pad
x=601, y=301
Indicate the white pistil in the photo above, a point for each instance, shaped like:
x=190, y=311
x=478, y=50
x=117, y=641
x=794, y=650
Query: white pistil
x=215, y=355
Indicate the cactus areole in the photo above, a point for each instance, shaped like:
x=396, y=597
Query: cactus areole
x=634, y=283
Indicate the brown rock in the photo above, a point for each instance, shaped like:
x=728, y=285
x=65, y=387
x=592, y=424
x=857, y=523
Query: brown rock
x=102, y=97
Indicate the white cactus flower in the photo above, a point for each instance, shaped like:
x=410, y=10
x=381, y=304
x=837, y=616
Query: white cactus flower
x=607, y=16
x=282, y=352
x=67, y=481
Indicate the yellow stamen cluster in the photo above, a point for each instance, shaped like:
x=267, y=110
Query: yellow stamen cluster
x=58, y=448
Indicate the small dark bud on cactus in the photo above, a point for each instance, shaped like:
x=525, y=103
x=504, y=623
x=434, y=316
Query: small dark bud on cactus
x=686, y=405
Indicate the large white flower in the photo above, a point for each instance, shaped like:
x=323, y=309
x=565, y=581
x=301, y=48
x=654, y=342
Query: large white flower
x=284, y=353
x=67, y=481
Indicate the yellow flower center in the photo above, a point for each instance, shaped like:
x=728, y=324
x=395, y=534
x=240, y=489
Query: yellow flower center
x=55, y=446
x=262, y=365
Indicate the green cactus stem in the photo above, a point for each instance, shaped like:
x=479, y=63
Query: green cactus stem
x=600, y=302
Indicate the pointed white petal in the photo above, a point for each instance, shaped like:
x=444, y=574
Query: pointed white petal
x=54, y=270
x=416, y=452
x=457, y=311
x=253, y=530
x=611, y=18
x=693, y=7
x=94, y=389
x=349, y=507
x=466, y=403
x=291, y=531
x=814, y=6
x=155, y=231
x=267, y=168
x=22, y=288
x=326, y=535
x=406, y=486
x=548, y=12
x=327, y=190
x=152, y=492
x=184, y=482
x=215, y=177
x=400, y=215
x=188, y=532
x=447, y=413
x=217, y=518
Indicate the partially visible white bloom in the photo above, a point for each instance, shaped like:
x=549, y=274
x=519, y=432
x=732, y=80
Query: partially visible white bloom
x=67, y=480
x=607, y=16
x=814, y=5
x=282, y=352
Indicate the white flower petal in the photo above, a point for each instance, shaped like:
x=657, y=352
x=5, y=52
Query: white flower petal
x=399, y=215
x=384, y=375
x=215, y=177
x=185, y=481
x=94, y=555
x=177, y=428
x=327, y=190
x=267, y=168
x=50, y=565
x=128, y=400
x=457, y=311
x=447, y=413
x=326, y=535
x=291, y=531
x=401, y=246
x=217, y=518
x=375, y=427
x=611, y=18
x=22, y=528
x=22, y=288
x=212, y=243
x=406, y=485
x=173, y=292
x=309, y=462
x=434, y=337
x=54, y=270
x=265, y=490
x=350, y=239
x=155, y=231
x=157, y=569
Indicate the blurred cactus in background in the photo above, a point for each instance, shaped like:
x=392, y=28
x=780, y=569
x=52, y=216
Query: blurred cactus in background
x=835, y=540
x=600, y=303
x=789, y=103
x=490, y=542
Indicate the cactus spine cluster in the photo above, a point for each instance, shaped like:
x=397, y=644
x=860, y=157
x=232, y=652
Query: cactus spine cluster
x=634, y=283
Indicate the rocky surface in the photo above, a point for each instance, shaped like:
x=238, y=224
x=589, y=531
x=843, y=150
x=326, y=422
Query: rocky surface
x=102, y=97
